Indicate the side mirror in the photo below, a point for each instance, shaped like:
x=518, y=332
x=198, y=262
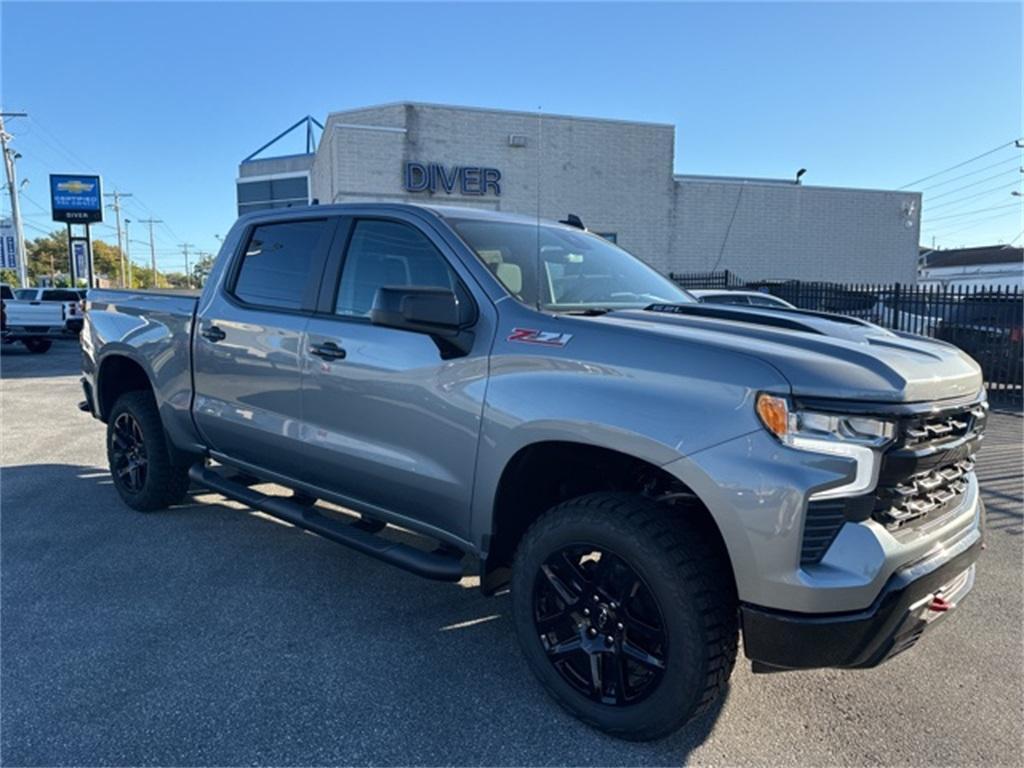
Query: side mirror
x=436, y=312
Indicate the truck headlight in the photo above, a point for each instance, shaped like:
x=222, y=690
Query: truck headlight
x=860, y=438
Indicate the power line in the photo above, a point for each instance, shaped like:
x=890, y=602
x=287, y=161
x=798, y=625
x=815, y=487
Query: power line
x=978, y=210
x=974, y=184
x=960, y=225
x=976, y=195
x=984, y=168
x=978, y=223
x=960, y=165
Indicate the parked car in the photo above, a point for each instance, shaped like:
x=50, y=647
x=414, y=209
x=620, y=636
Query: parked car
x=989, y=329
x=740, y=298
x=34, y=324
x=70, y=298
x=650, y=476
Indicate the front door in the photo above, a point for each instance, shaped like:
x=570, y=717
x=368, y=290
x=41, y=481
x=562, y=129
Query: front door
x=247, y=344
x=388, y=422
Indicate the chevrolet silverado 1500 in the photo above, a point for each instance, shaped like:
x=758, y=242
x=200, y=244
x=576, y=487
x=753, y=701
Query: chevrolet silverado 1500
x=649, y=476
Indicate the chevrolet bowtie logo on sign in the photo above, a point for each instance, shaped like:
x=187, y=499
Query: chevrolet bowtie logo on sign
x=76, y=199
x=75, y=186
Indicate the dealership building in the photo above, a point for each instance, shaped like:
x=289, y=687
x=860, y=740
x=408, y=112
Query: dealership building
x=618, y=176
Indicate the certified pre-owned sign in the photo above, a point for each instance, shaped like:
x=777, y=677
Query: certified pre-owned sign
x=76, y=199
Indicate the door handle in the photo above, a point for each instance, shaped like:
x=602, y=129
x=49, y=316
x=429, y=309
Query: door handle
x=213, y=333
x=328, y=351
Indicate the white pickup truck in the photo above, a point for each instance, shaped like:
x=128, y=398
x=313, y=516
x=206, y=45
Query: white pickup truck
x=36, y=322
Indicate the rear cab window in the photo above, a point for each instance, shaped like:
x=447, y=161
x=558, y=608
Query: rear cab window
x=278, y=261
x=60, y=295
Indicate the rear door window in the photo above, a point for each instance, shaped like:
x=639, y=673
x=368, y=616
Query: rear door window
x=278, y=262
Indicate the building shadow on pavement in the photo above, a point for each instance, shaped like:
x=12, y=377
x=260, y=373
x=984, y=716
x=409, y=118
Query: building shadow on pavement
x=208, y=634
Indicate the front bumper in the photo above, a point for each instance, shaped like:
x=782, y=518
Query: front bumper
x=914, y=599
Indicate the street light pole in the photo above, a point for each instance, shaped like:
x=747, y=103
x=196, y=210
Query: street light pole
x=12, y=186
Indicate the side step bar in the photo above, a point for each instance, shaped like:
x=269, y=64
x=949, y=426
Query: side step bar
x=442, y=566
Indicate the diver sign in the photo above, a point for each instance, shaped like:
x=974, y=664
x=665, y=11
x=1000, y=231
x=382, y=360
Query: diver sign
x=452, y=180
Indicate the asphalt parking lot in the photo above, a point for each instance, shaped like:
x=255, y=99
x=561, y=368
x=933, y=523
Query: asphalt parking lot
x=207, y=635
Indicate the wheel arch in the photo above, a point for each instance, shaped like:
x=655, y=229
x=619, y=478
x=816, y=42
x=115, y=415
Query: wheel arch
x=117, y=374
x=542, y=474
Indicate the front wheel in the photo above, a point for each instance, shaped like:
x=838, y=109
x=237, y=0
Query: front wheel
x=140, y=463
x=37, y=346
x=625, y=610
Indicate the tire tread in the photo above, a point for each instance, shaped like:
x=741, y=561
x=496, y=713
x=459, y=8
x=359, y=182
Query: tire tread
x=701, y=568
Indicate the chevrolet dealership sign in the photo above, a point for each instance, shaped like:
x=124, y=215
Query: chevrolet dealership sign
x=76, y=199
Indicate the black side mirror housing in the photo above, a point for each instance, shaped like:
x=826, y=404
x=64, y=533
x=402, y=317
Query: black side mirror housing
x=436, y=312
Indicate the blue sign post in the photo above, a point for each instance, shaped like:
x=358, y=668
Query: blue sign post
x=77, y=199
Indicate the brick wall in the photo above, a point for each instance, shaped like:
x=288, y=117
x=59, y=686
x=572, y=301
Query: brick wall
x=618, y=177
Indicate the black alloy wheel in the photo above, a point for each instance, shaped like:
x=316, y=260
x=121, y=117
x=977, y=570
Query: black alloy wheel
x=129, y=461
x=600, y=625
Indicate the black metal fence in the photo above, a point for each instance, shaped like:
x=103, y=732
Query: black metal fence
x=984, y=322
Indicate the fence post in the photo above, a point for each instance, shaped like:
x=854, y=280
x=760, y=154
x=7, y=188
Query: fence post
x=896, y=307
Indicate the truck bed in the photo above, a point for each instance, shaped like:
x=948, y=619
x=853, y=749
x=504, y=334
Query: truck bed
x=154, y=330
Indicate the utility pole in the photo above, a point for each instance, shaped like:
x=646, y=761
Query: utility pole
x=117, y=213
x=152, y=248
x=12, y=186
x=128, y=251
x=184, y=247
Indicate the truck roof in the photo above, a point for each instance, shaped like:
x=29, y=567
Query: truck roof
x=441, y=211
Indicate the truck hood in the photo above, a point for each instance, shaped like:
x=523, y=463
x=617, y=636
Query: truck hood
x=821, y=355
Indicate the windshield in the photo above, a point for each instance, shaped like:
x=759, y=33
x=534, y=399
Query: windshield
x=578, y=271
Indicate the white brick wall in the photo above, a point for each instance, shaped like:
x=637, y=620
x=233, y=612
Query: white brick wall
x=618, y=177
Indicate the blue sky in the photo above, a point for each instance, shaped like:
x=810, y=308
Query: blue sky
x=165, y=99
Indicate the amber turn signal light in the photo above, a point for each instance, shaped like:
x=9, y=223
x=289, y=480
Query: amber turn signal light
x=774, y=413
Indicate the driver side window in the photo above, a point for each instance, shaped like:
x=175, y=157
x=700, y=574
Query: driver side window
x=387, y=253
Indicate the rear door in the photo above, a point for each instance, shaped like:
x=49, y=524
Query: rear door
x=246, y=345
x=389, y=421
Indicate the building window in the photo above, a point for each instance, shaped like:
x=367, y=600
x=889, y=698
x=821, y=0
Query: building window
x=611, y=237
x=262, y=193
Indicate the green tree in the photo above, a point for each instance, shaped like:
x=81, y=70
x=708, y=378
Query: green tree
x=48, y=258
x=201, y=270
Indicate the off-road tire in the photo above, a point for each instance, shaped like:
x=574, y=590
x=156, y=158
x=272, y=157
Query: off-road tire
x=165, y=483
x=37, y=346
x=681, y=559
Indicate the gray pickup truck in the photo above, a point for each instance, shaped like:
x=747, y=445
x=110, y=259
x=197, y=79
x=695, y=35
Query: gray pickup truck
x=648, y=475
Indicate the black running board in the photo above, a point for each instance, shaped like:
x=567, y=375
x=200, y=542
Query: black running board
x=442, y=566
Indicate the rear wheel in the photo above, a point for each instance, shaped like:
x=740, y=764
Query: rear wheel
x=137, y=453
x=626, y=611
x=37, y=346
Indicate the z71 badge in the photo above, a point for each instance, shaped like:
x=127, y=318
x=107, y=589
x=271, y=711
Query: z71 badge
x=546, y=338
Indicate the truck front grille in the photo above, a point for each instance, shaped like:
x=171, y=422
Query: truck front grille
x=930, y=493
x=925, y=474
